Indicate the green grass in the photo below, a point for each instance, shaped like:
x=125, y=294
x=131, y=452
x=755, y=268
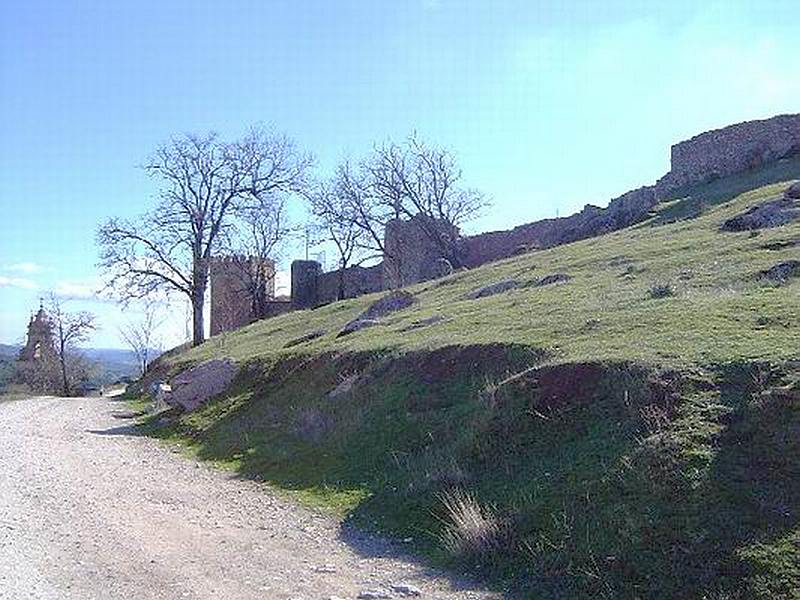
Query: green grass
x=627, y=445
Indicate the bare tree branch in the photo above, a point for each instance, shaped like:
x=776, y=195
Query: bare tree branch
x=205, y=184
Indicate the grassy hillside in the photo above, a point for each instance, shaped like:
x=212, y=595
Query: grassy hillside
x=632, y=432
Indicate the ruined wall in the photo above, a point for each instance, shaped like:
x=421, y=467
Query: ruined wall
x=411, y=252
x=305, y=284
x=591, y=221
x=231, y=300
x=730, y=150
x=356, y=281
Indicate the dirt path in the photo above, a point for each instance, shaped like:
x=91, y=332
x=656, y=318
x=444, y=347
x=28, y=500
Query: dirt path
x=88, y=510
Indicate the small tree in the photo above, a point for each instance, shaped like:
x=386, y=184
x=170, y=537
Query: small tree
x=408, y=180
x=336, y=219
x=254, y=248
x=69, y=330
x=140, y=334
x=205, y=184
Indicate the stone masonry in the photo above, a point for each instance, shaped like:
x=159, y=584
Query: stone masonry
x=231, y=297
x=730, y=150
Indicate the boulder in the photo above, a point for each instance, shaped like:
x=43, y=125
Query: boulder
x=423, y=323
x=493, y=289
x=793, y=191
x=768, y=214
x=196, y=386
x=312, y=335
x=392, y=302
x=553, y=279
x=782, y=272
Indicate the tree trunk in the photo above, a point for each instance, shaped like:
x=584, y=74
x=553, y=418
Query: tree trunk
x=340, y=292
x=198, y=326
x=64, y=379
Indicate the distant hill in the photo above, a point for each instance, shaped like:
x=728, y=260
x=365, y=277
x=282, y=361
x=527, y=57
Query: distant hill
x=111, y=364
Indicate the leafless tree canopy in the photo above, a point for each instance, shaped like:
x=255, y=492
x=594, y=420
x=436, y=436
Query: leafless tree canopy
x=254, y=244
x=69, y=330
x=404, y=180
x=206, y=184
x=140, y=334
x=337, y=220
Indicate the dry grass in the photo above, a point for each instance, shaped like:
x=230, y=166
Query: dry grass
x=471, y=531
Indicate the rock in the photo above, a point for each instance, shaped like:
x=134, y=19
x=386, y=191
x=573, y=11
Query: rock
x=325, y=569
x=423, y=323
x=392, y=302
x=793, y=191
x=782, y=272
x=317, y=333
x=768, y=214
x=405, y=589
x=374, y=594
x=553, y=279
x=128, y=414
x=194, y=387
x=345, y=385
x=493, y=289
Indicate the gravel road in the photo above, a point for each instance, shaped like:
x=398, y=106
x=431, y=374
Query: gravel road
x=90, y=510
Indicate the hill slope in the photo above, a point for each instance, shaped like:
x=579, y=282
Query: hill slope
x=627, y=431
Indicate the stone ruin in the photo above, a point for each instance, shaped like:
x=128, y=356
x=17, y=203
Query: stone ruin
x=413, y=256
x=231, y=296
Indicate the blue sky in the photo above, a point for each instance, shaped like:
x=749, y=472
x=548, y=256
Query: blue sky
x=548, y=105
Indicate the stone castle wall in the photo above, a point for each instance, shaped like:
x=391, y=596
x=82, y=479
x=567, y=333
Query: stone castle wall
x=731, y=150
x=231, y=300
x=411, y=253
x=355, y=281
x=591, y=221
x=411, y=256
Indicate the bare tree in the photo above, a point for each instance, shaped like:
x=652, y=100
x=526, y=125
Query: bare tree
x=337, y=221
x=69, y=330
x=408, y=180
x=421, y=181
x=140, y=334
x=254, y=247
x=205, y=183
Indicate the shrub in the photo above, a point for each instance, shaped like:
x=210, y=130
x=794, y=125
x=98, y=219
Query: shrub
x=660, y=290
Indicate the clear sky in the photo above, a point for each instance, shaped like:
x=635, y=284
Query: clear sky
x=548, y=105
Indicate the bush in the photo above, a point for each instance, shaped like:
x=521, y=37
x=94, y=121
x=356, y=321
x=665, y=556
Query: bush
x=660, y=290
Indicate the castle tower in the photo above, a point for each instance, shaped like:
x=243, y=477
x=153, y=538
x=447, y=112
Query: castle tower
x=411, y=253
x=234, y=280
x=39, y=345
x=305, y=282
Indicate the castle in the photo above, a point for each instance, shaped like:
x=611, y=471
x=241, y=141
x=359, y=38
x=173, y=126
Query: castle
x=411, y=256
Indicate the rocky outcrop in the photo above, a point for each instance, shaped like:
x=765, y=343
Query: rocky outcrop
x=397, y=300
x=768, y=214
x=196, y=386
x=793, y=191
x=782, y=272
x=493, y=289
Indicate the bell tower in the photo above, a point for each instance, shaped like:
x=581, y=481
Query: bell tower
x=40, y=337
